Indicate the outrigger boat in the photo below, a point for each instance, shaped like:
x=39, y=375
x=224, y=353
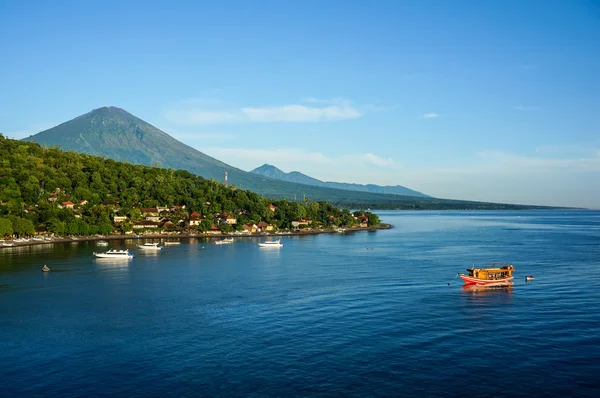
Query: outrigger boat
x=495, y=274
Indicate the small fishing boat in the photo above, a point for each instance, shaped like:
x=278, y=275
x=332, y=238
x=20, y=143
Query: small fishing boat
x=494, y=274
x=102, y=243
x=224, y=241
x=529, y=278
x=150, y=246
x=45, y=268
x=271, y=243
x=124, y=254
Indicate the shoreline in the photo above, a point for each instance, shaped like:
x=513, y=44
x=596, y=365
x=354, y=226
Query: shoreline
x=176, y=236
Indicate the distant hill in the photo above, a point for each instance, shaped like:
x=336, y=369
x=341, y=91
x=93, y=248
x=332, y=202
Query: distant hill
x=297, y=177
x=119, y=135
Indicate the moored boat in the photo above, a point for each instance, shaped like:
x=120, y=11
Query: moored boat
x=102, y=243
x=171, y=242
x=45, y=268
x=271, y=243
x=150, y=246
x=495, y=274
x=113, y=253
x=224, y=241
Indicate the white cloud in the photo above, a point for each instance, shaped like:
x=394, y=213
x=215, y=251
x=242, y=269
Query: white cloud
x=431, y=115
x=376, y=160
x=198, y=111
x=302, y=113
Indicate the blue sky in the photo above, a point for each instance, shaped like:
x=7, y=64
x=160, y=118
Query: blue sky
x=482, y=100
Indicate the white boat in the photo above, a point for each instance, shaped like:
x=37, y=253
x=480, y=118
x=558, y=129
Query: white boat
x=224, y=241
x=150, y=246
x=271, y=243
x=171, y=242
x=114, y=254
x=102, y=243
x=45, y=268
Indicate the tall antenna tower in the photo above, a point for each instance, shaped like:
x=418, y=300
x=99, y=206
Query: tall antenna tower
x=225, y=178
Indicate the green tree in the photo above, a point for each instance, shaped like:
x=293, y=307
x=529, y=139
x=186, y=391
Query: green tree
x=6, y=228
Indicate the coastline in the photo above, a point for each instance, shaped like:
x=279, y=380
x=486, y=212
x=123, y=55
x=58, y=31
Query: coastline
x=175, y=236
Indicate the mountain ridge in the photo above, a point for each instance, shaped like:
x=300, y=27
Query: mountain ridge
x=119, y=135
x=298, y=177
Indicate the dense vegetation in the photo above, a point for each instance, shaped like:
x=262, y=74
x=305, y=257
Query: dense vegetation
x=35, y=180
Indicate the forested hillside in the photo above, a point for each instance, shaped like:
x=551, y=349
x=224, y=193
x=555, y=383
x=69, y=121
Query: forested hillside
x=74, y=193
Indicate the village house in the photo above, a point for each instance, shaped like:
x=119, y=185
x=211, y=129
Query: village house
x=264, y=226
x=145, y=224
x=272, y=207
x=214, y=230
x=303, y=222
x=363, y=221
x=119, y=219
x=250, y=227
x=226, y=218
x=195, y=219
x=67, y=205
x=152, y=218
x=83, y=202
x=149, y=211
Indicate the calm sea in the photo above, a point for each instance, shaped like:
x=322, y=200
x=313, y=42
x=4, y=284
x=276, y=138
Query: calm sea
x=361, y=314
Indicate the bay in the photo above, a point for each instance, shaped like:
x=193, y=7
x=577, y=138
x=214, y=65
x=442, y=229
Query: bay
x=355, y=314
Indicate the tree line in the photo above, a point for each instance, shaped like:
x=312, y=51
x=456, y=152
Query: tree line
x=35, y=180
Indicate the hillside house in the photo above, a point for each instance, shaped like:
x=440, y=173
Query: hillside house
x=303, y=222
x=119, y=219
x=251, y=228
x=67, y=205
x=264, y=226
x=272, y=207
x=226, y=218
x=149, y=211
x=145, y=224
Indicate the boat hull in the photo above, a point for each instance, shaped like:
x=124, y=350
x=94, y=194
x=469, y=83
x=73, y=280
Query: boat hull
x=469, y=280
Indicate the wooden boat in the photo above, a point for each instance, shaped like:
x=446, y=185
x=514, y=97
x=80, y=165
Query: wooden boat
x=494, y=274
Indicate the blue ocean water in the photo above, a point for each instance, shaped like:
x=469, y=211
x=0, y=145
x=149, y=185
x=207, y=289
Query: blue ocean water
x=360, y=314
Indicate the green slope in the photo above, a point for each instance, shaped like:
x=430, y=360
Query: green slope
x=117, y=134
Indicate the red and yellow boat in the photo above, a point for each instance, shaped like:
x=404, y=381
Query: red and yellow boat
x=494, y=274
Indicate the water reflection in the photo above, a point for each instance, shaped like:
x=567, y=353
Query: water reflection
x=478, y=290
